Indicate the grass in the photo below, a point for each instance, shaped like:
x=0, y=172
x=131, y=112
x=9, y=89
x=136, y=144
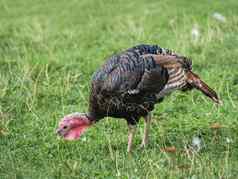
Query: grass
x=48, y=52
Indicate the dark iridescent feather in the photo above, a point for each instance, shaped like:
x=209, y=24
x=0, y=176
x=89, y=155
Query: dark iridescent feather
x=127, y=84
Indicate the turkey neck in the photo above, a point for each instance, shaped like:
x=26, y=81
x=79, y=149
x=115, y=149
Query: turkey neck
x=91, y=117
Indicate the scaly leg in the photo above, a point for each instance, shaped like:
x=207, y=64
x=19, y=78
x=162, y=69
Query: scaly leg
x=146, y=130
x=132, y=129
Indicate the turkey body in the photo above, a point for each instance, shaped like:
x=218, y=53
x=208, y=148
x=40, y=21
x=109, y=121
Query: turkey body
x=130, y=83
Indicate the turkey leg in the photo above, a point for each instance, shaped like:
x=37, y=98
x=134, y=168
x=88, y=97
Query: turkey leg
x=132, y=129
x=146, y=130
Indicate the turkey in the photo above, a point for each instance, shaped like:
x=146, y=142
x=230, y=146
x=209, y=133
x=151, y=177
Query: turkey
x=129, y=85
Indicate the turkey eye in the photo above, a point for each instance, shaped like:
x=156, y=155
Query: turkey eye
x=64, y=127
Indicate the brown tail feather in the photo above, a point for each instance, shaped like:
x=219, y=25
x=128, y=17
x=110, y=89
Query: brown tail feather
x=197, y=83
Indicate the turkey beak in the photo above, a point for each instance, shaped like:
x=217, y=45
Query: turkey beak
x=59, y=132
x=197, y=83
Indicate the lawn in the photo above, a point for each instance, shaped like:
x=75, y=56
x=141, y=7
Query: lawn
x=48, y=52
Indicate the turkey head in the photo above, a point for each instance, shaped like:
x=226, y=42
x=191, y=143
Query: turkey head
x=72, y=126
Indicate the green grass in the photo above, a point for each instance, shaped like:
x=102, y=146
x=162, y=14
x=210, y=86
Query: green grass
x=48, y=52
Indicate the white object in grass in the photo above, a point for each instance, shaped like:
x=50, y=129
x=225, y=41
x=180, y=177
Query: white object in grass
x=219, y=17
x=195, y=33
x=197, y=143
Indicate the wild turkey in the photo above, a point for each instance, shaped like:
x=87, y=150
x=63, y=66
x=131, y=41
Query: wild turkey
x=128, y=86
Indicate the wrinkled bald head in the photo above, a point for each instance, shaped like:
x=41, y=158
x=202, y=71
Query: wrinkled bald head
x=72, y=126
